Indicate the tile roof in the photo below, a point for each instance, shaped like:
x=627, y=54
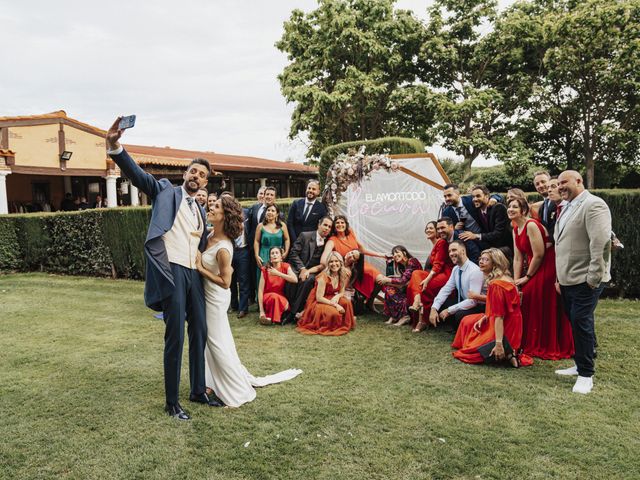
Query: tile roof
x=236, y=163
x=59, y=114
x=7, y=153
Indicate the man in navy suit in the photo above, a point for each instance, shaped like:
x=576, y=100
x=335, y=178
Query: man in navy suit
x=177, y=233
x=305, y=213
x=465, y=216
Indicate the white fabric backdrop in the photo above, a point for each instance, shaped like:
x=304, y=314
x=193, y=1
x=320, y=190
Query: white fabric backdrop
x=392, y=208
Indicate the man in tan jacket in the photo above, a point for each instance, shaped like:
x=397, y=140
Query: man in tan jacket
x=583, y=259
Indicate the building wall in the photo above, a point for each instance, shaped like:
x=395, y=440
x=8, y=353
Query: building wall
x=35, y=146
x=88, y=149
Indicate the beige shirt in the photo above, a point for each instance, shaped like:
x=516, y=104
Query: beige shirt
x=183, y=240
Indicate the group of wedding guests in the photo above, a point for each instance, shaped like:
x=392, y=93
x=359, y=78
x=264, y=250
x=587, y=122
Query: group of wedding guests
x=491, y=274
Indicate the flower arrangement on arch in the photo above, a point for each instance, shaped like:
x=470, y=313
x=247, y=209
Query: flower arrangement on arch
x=351, y=168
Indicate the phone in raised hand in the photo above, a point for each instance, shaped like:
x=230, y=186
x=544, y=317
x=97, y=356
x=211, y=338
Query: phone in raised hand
x=127, y=122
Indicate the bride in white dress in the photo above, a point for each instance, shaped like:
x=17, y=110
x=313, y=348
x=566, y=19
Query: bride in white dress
x=225, y=374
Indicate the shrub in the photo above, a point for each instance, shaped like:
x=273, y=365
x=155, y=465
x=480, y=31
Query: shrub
x=124, y=231
x=77, y=244
x=390, y=145
x=10, y=255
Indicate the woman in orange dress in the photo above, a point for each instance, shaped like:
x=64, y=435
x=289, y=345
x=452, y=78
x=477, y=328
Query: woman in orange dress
x=343, y=240
x=546, y=331
x=328, y=312
x=502, y=318
x=425, y=284
x=271, y=299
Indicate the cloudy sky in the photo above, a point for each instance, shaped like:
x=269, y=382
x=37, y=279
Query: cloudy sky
x=198, y=74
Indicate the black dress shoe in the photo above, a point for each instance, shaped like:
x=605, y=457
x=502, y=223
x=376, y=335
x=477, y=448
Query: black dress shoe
x=176, y=412
x=242, y=314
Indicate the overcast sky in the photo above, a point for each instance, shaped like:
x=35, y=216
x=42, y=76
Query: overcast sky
x=199, y=74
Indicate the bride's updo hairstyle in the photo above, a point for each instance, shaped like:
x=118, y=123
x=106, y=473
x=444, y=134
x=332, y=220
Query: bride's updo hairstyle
x=233, y=218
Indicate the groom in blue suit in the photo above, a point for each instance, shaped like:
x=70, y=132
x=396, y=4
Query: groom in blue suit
x=177, y=232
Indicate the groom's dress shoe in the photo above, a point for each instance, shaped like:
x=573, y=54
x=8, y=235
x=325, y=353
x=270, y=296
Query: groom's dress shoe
x=176, y=412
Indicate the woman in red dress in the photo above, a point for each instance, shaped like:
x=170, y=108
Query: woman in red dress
x=328, y=311
x=502, y=318
x=271, y=299
x=425, y=284
x=546, y=332
x=343, y=240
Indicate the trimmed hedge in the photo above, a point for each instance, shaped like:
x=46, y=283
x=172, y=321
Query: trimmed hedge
x=390, y=145
x=109, y=242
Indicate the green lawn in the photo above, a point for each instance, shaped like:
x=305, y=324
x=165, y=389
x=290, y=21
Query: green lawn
x=81, y=396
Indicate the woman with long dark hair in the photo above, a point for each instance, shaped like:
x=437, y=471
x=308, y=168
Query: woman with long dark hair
x=271, y=232
x=272, y=301
x=395, y=286
x=225, y=375
x=546, y=329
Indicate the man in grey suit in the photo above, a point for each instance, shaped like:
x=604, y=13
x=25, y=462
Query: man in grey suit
x=583, y=259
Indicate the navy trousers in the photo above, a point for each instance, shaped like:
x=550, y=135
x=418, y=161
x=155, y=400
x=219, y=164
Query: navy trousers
x=185, y=303
x=580, y=302
x=241, y=279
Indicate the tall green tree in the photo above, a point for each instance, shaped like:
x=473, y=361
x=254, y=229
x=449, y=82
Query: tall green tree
x=351, y=71
x=471, y=74
x=584, y=103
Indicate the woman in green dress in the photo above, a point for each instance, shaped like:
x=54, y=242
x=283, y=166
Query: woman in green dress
x=272, y=232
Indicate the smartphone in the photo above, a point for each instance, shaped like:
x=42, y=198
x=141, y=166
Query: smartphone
x=127, y=122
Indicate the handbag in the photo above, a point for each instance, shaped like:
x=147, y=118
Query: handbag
x=485, y=350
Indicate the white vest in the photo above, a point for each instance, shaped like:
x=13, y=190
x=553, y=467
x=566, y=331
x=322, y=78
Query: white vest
x=182, y=241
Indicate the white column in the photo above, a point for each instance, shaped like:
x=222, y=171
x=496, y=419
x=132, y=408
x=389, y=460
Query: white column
x=67, y=184
x=263, y=182
x=133, y=191
x=112, y=195
x=4, y=202
x=143, y=200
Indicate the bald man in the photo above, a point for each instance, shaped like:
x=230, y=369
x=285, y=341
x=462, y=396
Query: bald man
x=583, y=260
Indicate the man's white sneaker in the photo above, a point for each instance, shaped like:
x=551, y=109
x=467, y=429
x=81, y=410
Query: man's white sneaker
x=568, y=371
x=583, y=385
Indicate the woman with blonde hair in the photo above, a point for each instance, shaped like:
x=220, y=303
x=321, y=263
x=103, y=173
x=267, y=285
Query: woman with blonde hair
x=328, y=311
x=500, y=327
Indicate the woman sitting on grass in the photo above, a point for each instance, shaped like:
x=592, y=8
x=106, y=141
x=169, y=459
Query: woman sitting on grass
x=501, y=321
x=328, y=312
x=395, y=287
x=271, y=299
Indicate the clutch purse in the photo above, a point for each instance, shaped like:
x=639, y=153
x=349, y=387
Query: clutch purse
x=485, y=350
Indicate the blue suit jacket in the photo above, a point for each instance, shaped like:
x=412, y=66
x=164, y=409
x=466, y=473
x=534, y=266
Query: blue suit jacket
x=166, y=201
x=296, y=224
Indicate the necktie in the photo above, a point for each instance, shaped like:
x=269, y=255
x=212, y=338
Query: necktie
x=545, y=210
x=190, y=203
x=558, y=211
x=485, y=220
x=459, y=286
x=307, y=209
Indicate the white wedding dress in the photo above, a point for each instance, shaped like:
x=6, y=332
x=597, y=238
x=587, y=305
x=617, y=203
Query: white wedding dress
x=224, y=372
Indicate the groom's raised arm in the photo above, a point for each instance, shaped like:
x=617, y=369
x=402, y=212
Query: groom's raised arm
x=141, y=179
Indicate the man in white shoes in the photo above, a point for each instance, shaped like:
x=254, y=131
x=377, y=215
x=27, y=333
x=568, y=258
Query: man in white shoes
x=583, y=260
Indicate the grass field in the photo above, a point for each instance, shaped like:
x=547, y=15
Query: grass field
x=81, y=396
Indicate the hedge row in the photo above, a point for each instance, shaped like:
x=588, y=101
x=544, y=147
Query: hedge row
x=390, y=145
x=108, y=242
x=101, y=242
